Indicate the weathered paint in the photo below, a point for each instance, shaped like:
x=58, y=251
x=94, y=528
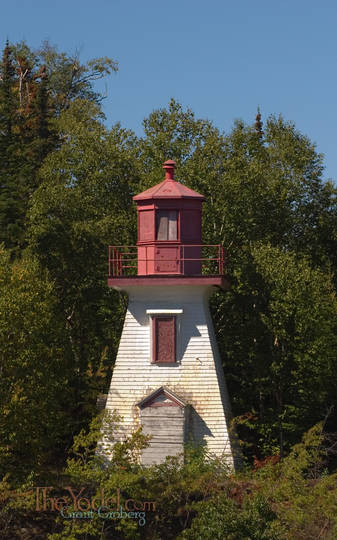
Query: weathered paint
x=197, y=376
x=163, y=416
x=163, y=337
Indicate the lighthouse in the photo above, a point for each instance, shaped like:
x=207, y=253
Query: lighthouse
x=168, y=376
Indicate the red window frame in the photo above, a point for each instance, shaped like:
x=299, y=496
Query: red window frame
x=164, y=339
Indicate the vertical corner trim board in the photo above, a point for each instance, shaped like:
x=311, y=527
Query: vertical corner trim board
x=196, y=378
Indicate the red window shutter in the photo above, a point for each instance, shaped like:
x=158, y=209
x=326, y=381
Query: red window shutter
x=146, y=225
x=164, y=339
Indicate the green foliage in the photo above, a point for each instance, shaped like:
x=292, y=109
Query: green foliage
x=35, y=369
x=196, y=498
x=169, y=488
x=89, y=465
x=223, y=519
x=68, y=78
x=35, y=86
x=300, y=489
x=294, y=499
x=12, y=192
x=292, y=334
x=82, y=205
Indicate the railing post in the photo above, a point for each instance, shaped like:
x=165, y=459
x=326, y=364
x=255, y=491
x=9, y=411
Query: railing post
x=118, y=255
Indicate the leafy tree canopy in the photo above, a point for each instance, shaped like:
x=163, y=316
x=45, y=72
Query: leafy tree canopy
x=35, y=87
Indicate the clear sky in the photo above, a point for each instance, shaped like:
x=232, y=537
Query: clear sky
x=221, y=58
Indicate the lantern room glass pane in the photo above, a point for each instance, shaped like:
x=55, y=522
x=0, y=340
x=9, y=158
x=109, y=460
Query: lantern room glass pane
x=172, y=225
x=167, y=225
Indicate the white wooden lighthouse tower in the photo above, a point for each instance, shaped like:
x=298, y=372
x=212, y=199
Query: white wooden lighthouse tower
x=168, y=375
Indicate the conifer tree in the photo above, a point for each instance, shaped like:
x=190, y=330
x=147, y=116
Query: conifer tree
x=7, y=81
x=11, y=196
x=258, y=124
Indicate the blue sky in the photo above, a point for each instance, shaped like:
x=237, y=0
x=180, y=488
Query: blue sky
x=221, y=58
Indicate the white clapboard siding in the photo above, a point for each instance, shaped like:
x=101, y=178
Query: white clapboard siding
x=197, y=377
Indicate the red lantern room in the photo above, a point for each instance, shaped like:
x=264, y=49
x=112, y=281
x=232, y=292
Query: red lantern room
x=169, y=228
x=169, y=243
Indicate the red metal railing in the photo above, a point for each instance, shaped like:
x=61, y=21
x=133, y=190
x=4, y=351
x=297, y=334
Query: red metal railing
x=124, y=260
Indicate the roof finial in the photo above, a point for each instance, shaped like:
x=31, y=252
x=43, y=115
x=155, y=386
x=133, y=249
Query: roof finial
x=169, y=166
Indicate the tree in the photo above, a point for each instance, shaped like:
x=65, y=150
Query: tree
x=280, y=347
x=68, y=77
x=35, y=406
x=34, y=88
x=6, y=92
x=83, y=204
x=12, y=192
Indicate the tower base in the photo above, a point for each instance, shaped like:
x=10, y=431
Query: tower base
x=177, y=402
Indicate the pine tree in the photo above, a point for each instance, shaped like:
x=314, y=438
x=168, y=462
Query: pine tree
x=7, y=83
x=258, y=124
x=11, y=197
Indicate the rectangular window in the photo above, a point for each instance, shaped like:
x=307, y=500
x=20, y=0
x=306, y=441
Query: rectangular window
x=167, y=225
x=164, y=339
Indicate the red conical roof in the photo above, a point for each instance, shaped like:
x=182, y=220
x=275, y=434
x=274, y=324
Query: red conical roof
x=169, y=188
